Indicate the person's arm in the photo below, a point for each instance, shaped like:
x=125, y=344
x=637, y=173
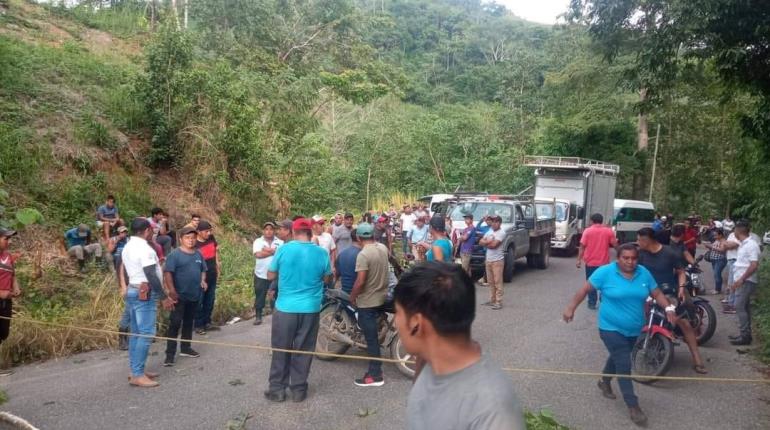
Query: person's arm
x=493, y=243
x=438, y=252
x=580, y=255
x=358, y=286
x=577, y=299
x=111, y=245
x=662, y=301
x=682, y=279
x=122, y=280
x=753, y=265
x=730, y=245
x=151, y=272
x=688, y=257
x=16, y=288
x=272, y=276
x=168, y=280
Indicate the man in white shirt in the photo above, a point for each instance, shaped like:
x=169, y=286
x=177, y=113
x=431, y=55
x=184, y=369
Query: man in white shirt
x=407, y=219
x=731, y=245
x=324, y=239
x=493, y=241
x=744, y=282
x=263, y=249
x=140, y=277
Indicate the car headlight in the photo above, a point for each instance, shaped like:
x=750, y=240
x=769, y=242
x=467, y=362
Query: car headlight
x=561, y=237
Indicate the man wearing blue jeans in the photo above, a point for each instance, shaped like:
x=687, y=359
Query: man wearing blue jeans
x=625, y=286
x=369, y=293
x=142, y=290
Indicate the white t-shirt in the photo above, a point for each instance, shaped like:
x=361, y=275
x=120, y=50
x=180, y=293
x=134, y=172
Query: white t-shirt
x=263, y=263
x=407, y=222
x=748, y=252
x=732, y=254
x=498, y=253
x=138, y=254
x=326, y=241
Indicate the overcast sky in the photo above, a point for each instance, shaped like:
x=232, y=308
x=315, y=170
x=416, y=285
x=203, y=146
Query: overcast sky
x=542, y=11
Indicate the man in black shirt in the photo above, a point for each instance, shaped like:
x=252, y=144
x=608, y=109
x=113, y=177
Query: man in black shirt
x=677, y=242
x=666, y=264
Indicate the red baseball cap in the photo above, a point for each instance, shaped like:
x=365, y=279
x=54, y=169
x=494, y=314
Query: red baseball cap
x=318, y=219
x=301, y=224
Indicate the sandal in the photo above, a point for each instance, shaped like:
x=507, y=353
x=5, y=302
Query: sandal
x=699, y=368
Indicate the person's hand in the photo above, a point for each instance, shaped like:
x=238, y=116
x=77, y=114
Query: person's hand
x=682, y=295
x=738, y=284
x=16, y=291
x=578, y=264
x=123, y=291
x=204, y=286
x=671, y=317
x=271, y=294
x=173, y=295
x=568, y=315
x=168, y=304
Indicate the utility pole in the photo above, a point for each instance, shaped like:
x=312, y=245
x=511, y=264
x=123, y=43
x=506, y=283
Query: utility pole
x=654, y=162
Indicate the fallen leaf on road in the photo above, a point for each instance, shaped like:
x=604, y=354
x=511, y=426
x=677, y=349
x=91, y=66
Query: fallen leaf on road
x=238, y=422
x=79, y=361
x=365, y=412
x=235, y=382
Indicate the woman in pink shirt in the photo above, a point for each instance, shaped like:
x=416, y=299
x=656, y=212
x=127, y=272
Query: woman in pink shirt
x=595, y=246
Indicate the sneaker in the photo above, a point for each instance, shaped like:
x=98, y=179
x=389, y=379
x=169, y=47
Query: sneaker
x=275, y=396
x=210, y=327
x=298, y=396
x=258, y=321
x=200, y=331
x=189, y=353
x=637, y=416
x=592, y=306
x=497, y=306
x=169, y=361
x=724, y=301
x=606, y=390
x=488, y=304
x=370, y=381
x=741, y=341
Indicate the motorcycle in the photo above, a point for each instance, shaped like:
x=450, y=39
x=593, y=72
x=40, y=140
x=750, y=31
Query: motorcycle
x=653, y=353
x=339, y=330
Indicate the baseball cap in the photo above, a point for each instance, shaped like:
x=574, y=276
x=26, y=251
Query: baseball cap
x=468, y=215
x=349, y=215
x=122, y=228
x=268, y=223
x=318, y=219
x=187, y=230
x=302, y=224
x=497, y=218
x=382, y=219
x=287, y=224
x=82, y=230
x=365, y=230
x=438, y=223
x=204, y=225
x=7, y=232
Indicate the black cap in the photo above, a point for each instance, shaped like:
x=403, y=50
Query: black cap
x=139, y=224
x=204, y=225
x=287, y=224
x=7, y=232
x=349, y=215
x=468, y=215
x=497, y=218
x=187, y=230
x=438, y=223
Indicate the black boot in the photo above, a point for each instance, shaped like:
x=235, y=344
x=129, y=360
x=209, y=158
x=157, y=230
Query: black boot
x=82, y=266
x=123, y=339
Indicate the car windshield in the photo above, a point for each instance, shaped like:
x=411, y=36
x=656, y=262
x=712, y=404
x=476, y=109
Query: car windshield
x=546, y=211
x=481, y=209
x=634, y=215
x=561, y=211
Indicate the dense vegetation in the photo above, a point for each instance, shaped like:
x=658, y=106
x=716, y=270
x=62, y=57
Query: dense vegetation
x=251, y=109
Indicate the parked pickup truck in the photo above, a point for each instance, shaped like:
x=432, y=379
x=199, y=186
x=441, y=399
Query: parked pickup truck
x=528, y=227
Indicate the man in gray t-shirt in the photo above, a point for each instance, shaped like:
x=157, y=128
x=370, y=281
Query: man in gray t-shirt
x=435, y=308
x=341, y=233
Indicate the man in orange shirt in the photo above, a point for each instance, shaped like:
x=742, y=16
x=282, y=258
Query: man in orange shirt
x=595, y=250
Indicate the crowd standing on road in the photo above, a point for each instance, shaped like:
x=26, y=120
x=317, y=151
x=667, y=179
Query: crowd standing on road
x=297, y=261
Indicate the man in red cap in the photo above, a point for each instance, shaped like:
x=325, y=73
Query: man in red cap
x=382, y=233
x=302, y=268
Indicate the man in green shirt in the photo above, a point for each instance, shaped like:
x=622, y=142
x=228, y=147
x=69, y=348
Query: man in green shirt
x=369, y=292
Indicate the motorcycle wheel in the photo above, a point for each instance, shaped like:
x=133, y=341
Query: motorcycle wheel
x=327, y=325
x=655, y=360
x=704, y=321
x=398, y=352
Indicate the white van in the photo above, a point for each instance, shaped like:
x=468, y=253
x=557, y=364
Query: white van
x=433, y=201
x=629, y=216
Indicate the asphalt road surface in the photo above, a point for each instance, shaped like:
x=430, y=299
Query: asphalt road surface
x=224, y=385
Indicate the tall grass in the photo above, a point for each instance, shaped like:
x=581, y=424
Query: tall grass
x=124, y=21
x=235, y=293
x=396, y=199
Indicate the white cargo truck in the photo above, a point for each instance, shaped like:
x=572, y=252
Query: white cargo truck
x=580, y=188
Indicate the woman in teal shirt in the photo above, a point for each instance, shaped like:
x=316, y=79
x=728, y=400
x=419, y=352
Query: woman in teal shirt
x=441, y=248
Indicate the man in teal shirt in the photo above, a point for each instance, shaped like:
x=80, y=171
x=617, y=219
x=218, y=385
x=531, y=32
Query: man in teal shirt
x=302, y=268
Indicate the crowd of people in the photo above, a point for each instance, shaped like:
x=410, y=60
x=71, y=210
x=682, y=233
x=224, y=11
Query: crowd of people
x=297, y=260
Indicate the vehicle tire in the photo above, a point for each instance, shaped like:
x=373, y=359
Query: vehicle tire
x=704, y=321
x=398, y=352
x=542, y=259
x=509, y=266
x=655, y=360
x=530, y=260
x=329, y=322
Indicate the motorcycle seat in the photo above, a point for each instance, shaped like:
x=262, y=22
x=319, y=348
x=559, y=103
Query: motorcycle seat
x=337, y=294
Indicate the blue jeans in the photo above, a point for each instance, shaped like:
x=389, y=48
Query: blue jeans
x=718, y=266
x=404, y=242
x=143, y=315
x=593, y=296
x=619, y=363
x=206, y=306
x=368, y=320
x=125, y=319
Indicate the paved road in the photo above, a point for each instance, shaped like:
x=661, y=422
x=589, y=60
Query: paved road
x=89, y=391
